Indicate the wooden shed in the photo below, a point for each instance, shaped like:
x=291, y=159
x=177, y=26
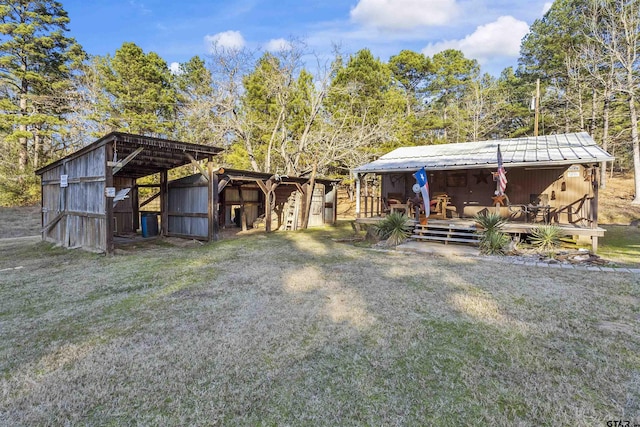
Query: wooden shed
x=250, y=199
x=93, y=193
x=551, y=179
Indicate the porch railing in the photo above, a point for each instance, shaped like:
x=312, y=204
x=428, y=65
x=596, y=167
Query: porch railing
x=370, y=206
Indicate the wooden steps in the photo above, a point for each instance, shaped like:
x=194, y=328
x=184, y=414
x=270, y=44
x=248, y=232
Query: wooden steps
x=443, y=232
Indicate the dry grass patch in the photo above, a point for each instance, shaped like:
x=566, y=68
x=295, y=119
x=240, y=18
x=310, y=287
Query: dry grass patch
x=293, y=328
x=19, y=221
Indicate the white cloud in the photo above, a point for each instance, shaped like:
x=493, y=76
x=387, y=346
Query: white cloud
x=546, y=7
x=175, y=69
x=278, y=45
x=404, y=14
x=226, y=39
x=500, y=38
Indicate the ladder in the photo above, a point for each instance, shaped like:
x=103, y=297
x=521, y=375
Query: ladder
x=291, y=212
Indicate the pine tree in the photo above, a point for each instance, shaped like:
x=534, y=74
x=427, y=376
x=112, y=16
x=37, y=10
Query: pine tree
x=36, y=61
x=139, y=96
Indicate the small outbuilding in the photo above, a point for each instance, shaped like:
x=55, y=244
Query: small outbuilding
x=550, y=179
x=93, y=195
x=248, y=199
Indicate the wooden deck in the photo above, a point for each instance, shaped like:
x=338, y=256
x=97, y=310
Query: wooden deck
x=463, y=230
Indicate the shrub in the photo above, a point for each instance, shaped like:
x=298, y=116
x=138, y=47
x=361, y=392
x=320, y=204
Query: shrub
x=395, y=228
x=545, y=237
x=492, y=240
x=490, y=221
x=494, y=243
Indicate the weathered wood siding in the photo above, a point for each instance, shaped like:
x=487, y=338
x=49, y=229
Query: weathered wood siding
x=316, y=215
x=188, y=207
x=123, y=210
x=252, y=204
x=81, y=204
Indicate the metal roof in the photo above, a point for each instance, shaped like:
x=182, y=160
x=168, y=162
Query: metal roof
x=548, y=150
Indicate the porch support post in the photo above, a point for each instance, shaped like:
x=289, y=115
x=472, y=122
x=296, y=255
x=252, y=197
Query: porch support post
x=594, y=206
x=164, y=202
x=357, y=176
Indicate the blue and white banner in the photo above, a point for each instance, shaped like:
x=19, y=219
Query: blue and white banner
x=421, y=179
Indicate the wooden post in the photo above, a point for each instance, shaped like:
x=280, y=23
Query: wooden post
x=357, y=195
x=243, y=215
x=134, y=204
x=309, y=198
x=335, y=204
x=164, y=202
x=108, y=203
x=594, y=202
x=212, y=208
x=267, y=210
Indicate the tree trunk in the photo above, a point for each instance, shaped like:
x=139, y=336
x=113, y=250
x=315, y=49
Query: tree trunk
x=605, y=136
x=23, y=156
x=636, y=145
x=309, y=198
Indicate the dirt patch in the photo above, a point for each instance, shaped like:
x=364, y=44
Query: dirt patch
x=614, y=201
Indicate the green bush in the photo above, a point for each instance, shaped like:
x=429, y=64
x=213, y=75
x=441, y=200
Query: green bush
x=546, y=237
x=395, y=228
x=494, y=243
x=490, y=221
x=492, y=240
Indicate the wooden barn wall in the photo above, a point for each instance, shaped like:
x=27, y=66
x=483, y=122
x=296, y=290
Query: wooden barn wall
x=188, y=210
x=316, y=215
x=471, y=190
x=82, y=202
x=123, y=210
x=330, y=199
x=253, y=204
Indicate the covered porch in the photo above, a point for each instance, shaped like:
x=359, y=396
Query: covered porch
x=552, y=179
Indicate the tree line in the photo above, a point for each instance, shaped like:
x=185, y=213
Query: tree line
x=293, y=113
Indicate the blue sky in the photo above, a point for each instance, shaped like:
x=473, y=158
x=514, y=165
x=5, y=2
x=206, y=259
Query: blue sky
x=487, y=30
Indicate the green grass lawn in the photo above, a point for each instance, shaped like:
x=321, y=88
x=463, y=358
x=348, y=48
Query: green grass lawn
x=297, y=329
x=621, y=243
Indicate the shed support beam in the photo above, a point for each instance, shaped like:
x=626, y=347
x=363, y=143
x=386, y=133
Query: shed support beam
x=164, y=202
x=108, y=205
x=195, y=163
x=357, y=176
x=212, y=211
x=119, y=165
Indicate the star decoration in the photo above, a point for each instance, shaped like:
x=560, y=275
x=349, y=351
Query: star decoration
x=481, y=177
x=499, y=200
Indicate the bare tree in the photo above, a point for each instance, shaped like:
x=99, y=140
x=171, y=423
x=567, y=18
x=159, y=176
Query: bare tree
x=616, y=33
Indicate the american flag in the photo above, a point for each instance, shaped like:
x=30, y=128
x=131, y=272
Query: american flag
x=502, y=176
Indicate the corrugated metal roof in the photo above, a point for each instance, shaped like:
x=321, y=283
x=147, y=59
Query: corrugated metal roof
x=548, y=150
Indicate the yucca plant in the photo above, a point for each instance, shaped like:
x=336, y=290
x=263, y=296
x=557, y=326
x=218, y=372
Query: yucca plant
x=492, y=240
x=395, y=228
x=494, y=243
x=490, y=221
x=546, y=237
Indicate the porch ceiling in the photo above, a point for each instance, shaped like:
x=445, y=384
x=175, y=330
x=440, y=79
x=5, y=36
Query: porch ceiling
x=541, y=151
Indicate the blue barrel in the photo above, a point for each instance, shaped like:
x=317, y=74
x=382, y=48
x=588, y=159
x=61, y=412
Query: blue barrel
x=149, y=224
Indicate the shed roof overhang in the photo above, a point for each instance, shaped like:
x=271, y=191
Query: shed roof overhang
x=155, y=154
x=243, y=177
x=537, y=152
x=238, y=175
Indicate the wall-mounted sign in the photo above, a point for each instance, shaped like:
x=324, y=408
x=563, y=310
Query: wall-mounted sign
x=110, y=191
x=64, y=180
x=573, y=174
